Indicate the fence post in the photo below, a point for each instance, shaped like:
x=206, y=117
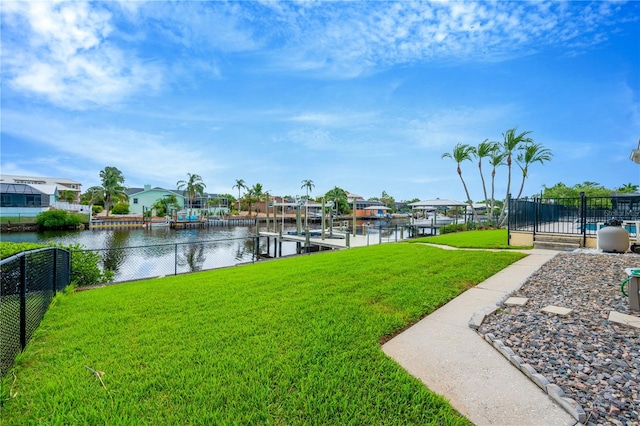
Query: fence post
x=175, y=259
x=583, y=218
x=23, y=302
x=509, y=217
x=536, y=215
x=55, y=270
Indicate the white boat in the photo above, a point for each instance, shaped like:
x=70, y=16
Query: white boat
x=433, y=220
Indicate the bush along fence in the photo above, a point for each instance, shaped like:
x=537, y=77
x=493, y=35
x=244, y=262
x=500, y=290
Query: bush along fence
x=573, y=215
x=29, y=282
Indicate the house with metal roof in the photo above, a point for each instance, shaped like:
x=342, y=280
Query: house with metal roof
x=62, y=184
x=19, y=199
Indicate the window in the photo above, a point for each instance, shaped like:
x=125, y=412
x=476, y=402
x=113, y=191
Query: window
x=135, y=201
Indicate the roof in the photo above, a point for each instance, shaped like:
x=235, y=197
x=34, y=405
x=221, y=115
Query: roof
x=43, y=179
x=18, y=188
x=376, y=208
x=133, y=191
x=438, y=203
x=45, y=189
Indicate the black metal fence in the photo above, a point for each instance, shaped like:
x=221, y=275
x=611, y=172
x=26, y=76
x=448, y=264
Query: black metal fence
x=576, y=215
x=151, y=261
x=141, y=262
x=29, y=281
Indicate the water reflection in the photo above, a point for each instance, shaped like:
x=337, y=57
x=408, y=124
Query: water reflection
x=144, y=253
x=193, y=256
x=113, y=257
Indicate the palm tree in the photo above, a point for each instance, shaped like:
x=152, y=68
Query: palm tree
x=254, y=195
x=462, y=152
x=628, y=188
x=512, y=143
x=240, y=185
x=339, y=198
x=112, y=186
x=193, y=186
x=496, y=159
x=308, y=184
x=531, y=153
x=484, y=149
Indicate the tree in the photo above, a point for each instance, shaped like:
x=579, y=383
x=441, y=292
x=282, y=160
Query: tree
x=339, y=198
x=462, y=152
x=164, y=205
x=387, y=199
x=193, y=186
x=67, y=196
x=496, y=159
x=93, y=196
x=511, y=144
x=531, y=153
x=308, y=184
x=628, y=188
x=240, y=185
x=112, y=187
x=483, y=150
x=254, y=195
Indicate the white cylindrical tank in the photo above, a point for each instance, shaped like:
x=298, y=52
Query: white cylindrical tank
x=613, y=239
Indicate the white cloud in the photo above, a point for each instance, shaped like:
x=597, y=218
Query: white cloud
x=444, y=128
x=59, y=52
x=141, y=156
x=346, y=40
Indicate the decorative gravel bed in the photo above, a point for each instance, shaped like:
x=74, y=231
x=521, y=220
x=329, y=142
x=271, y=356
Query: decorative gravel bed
x=594, y=361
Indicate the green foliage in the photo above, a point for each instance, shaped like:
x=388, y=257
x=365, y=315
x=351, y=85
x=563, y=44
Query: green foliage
x=112, y=188
x=454, y=227
x=8, y=249
x=120, y=208
x=590, y=189
x=164, y=205
x=339, y=198
x=94, y=195
x=85, y=267
x=58, y=219
x=96, y=209
x=68, y=196
x=292, y=341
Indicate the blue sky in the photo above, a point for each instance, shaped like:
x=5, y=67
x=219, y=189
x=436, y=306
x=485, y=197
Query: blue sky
x=366, y=96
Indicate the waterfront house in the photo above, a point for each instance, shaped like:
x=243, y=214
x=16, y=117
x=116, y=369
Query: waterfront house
x=62, y=184
x=141, y=199
x=18, y=199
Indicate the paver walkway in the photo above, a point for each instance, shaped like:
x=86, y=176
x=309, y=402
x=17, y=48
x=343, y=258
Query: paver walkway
x=453, y=360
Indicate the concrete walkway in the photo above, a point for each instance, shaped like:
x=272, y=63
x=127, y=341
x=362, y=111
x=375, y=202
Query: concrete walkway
x=451, y=359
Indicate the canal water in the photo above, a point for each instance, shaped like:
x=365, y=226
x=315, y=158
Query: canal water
x=136, y=253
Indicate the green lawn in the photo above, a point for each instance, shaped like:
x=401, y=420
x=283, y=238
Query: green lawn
x=485, y=239
x=289, y=341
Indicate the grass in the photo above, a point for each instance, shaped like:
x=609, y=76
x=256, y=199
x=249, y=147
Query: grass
x=484, y=239
x=17, y=219
x=290, y=341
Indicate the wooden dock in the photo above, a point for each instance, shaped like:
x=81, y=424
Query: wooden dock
x=313, y=242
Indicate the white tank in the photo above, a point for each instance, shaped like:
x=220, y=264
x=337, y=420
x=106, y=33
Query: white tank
x=613, y=239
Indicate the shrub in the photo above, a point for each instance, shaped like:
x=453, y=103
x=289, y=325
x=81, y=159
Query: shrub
x=85, y=267
x=85, y=264
x=120, y=208
x=96, y=209
x=58, y=219
x=8, y=249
